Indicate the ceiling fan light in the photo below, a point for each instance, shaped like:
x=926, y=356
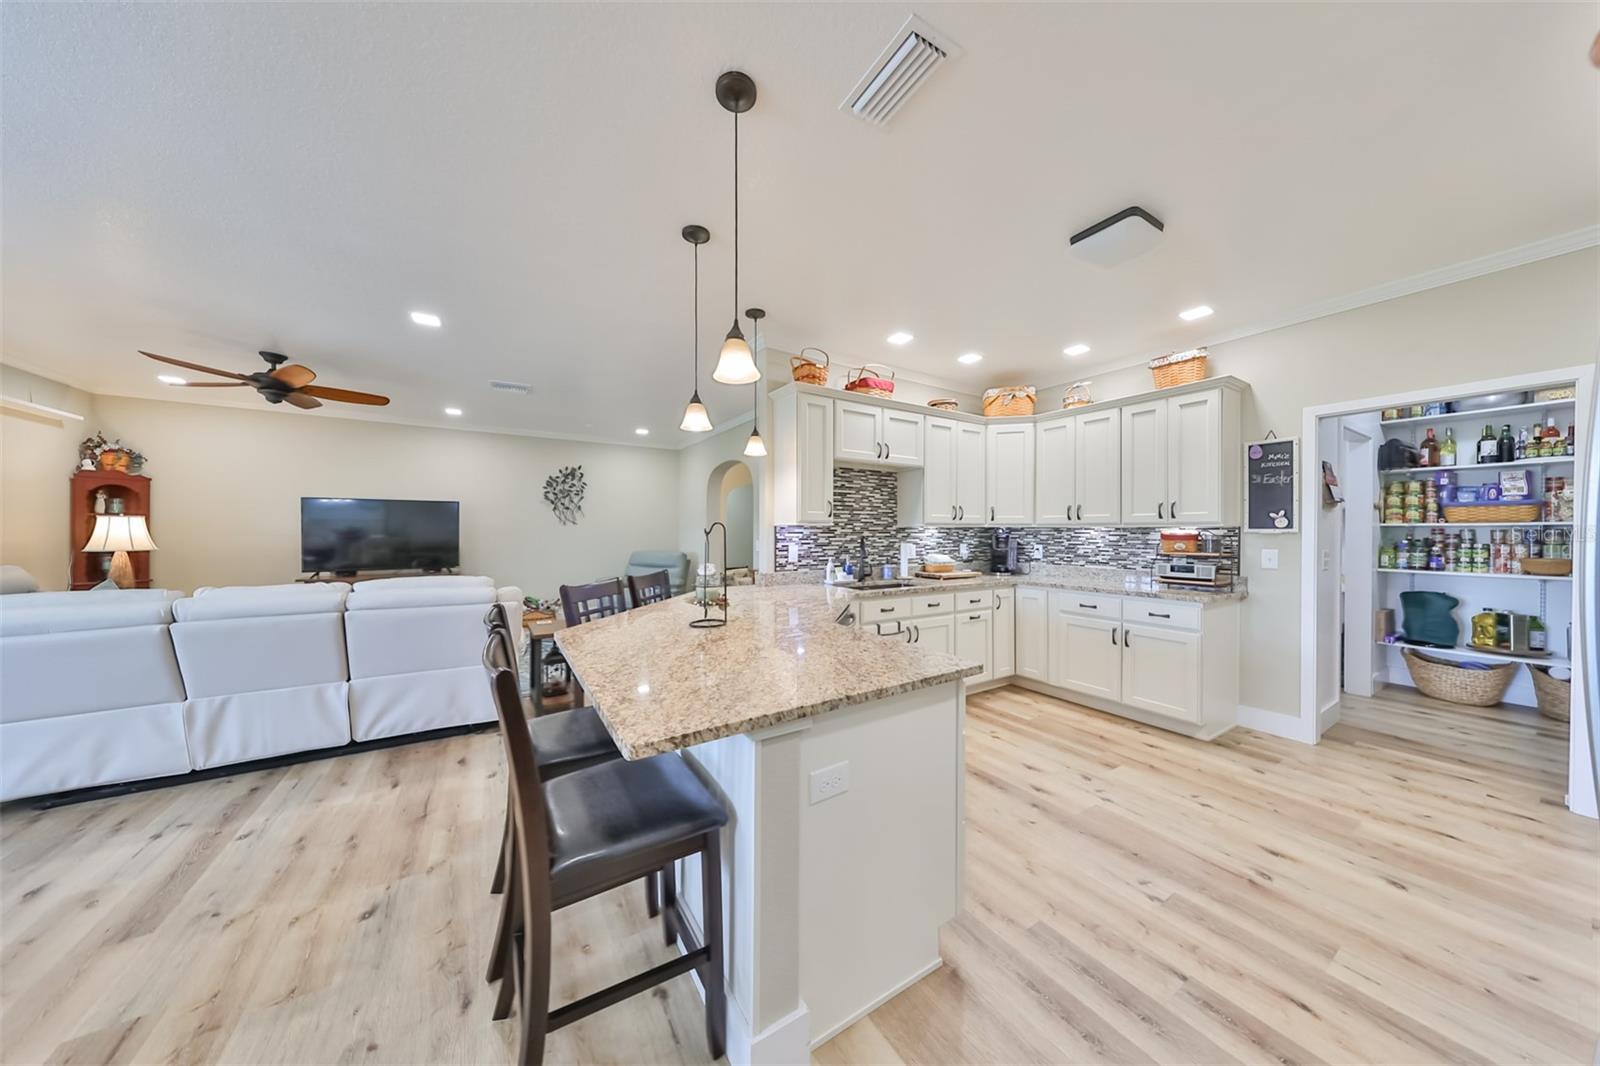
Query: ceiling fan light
x=755, y=446
x=734, y=363
x=695, y=418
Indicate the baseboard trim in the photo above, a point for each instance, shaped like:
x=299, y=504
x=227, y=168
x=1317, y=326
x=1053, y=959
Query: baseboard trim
x=875, y=1004
x=1288, y=726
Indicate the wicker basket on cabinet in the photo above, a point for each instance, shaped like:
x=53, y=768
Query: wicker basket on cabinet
x=1179, y=368
x=809, y=371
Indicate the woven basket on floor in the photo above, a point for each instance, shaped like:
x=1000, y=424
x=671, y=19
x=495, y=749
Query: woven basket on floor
x=1450, y=681
x=1179, y=368
x=1554, y=694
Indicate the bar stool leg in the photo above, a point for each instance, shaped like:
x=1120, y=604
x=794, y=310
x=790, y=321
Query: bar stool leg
x=507, y=923
x=535, y=989
x=711, y=970
x=669, y=903
x=652, y=895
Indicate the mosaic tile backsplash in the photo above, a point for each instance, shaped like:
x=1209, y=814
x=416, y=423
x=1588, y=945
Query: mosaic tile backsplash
x=865, y=503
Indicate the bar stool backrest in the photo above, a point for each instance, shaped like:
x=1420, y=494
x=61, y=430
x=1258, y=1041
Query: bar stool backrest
x=584, y=603
x=649, y=588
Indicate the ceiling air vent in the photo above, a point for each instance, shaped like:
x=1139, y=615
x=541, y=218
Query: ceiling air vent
x=900, y=70
x=511, y=386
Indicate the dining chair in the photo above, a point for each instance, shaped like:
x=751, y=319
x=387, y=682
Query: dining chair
x=599, y=599
x=584, y=833
x=646, y=589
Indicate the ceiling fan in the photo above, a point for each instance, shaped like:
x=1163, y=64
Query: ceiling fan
x=292, y=382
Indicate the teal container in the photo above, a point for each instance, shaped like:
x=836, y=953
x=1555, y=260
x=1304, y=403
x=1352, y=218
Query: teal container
x=1428, y=618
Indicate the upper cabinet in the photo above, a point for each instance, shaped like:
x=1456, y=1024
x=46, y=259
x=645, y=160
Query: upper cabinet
x=1180, y=461
x=869, y=434
x=1009, y=482
x=949, y=490
x=971, y=475
x=1078, y=478
x=802, y=466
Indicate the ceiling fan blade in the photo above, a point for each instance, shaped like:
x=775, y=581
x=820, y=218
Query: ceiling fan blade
x=294, y=375
x=300, y=399
x=345, y=395
x=214, y=384
x=193, y=366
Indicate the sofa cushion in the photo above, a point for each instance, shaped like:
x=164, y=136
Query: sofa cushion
x=445, y=596
x=50, y=675
x=228, y=655
x=426, y=581
x=258, y=603
x=102, y=614
x=14, y=579
x=406, y=640
x=100, y=748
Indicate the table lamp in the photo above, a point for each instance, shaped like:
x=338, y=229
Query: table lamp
x=120, y=533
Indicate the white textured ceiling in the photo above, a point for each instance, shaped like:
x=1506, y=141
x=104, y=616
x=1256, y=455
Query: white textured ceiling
x=207, y=180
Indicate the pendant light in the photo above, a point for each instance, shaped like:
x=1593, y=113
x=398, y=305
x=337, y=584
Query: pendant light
x=755, y=446
x=737, y=94
x=695, y=419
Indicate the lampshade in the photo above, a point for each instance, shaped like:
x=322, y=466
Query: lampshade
x=755, y=445
x=120, y=533
x=734, y=364
x=695, y=418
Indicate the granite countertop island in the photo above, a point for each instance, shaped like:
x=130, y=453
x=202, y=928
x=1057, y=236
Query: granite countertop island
x=661, y=685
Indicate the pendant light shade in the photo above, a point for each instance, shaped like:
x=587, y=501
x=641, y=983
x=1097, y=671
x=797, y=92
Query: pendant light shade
x=736, y=92
x=695, y=418
x=755, y=446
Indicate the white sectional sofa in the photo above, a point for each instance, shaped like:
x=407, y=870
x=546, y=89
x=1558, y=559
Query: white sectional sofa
x=100, y=688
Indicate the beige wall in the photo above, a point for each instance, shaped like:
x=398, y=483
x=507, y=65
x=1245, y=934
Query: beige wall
x=37, y=457
x=700, y=486
x=227, y=485
x=1543, y=315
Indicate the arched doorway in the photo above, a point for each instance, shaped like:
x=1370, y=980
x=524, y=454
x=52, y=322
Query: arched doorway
x=731, y=500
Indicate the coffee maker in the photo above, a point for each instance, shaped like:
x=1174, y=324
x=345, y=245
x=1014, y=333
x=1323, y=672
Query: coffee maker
x=1004, y=550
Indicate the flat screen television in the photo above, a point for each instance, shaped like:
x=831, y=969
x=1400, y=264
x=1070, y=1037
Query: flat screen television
x=347, y=536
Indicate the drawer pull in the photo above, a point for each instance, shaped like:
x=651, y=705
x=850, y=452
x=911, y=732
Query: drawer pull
x=886, y=610
x=974, y=617
x=1157, y=614
x=1090, y=606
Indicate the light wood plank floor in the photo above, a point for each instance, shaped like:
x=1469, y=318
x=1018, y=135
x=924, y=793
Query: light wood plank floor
x=1411, y=890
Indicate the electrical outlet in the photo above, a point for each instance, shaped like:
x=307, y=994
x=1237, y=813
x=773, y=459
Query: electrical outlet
x=1269, y=558
x=794, y=552
x=1037, y=551
x=829, y=781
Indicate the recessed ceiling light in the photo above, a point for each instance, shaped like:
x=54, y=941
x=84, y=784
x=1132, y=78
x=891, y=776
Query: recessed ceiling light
x=426, y=318
x=1195, y=313
x=1075, y=349
x=171, y=379
x=453, y=412
x=970, y=358
x=641, y=432
x=900, y=336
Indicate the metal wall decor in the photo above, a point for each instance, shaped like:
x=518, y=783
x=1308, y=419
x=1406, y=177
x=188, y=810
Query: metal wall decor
x=710, y=596
x=563, y=491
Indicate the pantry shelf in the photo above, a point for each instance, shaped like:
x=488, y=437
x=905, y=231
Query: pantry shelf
x=1468, y=652
x=1462, y=573
x=1425, y=471
x=1480, y=416
x=1474, y=525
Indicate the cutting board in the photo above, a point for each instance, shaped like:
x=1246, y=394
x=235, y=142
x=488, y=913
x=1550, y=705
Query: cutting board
x=953, y=575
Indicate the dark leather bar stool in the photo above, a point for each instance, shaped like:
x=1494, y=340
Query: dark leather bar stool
x=646, y=589
x=585, y=833
x=585, y=603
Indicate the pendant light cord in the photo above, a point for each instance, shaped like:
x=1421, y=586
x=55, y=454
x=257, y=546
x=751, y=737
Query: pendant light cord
x=736, y=216
x=697, y=320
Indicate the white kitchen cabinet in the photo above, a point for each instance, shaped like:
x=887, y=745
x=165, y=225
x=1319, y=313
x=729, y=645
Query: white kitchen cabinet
x=938, y=480
x=1003, y=640
x=1084, y=655
x=1055, y=478
x=1033, y=636
x=1009, y=455
x=1195, y=458
x=937, y=634
x=971, y=475
x=1161, y=671
x=1180, y=460
x=974, y=634
x=802, y=468
x=1099, y=467
x=867, y=433
x=1144, y=463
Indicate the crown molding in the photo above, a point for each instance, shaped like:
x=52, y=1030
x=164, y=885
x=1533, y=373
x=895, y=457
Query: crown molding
x=1467, y=269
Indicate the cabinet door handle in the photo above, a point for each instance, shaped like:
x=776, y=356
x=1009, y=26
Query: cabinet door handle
x=952, y=512
x=1161, y=510
x=1113, y=636
x=918, y=631
x=1173, y=510
x=1127, y=639
x=1080, y=512
x=910, y=636
x=991, y=514
x=963, y=515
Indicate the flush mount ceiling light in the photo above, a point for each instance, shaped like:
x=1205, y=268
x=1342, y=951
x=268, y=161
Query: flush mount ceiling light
x=453, y=412
x=755, y=445
x=641, y=432
x=1113, y=241
x=970, y=358
x=1195, y=314
x=900, y=337
x=1075, y=349
x=736, y=92
x=695, y=419
x=426, y=318
x=171, y=379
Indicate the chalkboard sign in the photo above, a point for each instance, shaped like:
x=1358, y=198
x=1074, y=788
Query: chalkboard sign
x=1271, y=468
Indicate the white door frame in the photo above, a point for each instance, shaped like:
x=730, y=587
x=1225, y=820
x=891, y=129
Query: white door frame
x=1359, y=527
x=1580, y=794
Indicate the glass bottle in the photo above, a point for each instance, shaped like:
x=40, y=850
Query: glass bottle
x=1447, y=450
x=1507, y=449
x=1522, y=444
x=1487, y=446
x=1572, y=441
x=1538, y=636
x=1430, y=450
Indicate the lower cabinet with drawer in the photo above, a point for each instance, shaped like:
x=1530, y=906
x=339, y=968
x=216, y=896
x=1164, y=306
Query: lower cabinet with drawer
x=1167, y=663
x=955, y=623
